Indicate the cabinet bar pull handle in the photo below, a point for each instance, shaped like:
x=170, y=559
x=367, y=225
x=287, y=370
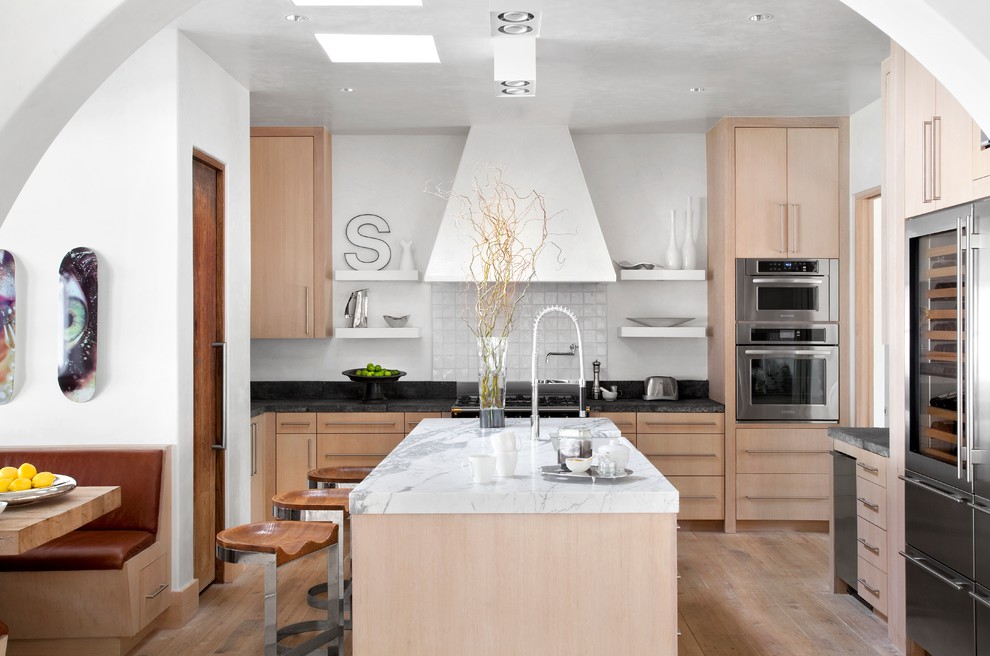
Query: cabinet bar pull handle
x=865, y=502
x=920, y=562
x=309, y=452
x=786, y=498
x=977, y=507
x=794, y=228
x=307, y=309
x=360, y=423
x=931, y=488
x=254, y=449
x=936, y=158
x=784, y=452
x=873, y=591
x=365, y=455
x=157, y=592
x=926, y=147
x=872, y=547
x=872, y=470
x=295, y=423
x=223, y=401
x=980, y=598
x=698, y=496
x=782, y=247
x=683, y=455
x=664, y=423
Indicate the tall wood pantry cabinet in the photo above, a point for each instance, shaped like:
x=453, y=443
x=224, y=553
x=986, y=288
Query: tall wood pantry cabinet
x=291, y=267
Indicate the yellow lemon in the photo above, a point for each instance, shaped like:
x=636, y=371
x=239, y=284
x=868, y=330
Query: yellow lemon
x=43, y=479
x=19, y=485
x=27, y=470
x=5, y=483
x=8, y=472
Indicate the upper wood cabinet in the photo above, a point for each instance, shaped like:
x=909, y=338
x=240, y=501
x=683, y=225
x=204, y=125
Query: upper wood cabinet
x=787, y=192
x=938, y=149
x=290, y=233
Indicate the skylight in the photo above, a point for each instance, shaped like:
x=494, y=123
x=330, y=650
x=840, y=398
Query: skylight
x=379, y=48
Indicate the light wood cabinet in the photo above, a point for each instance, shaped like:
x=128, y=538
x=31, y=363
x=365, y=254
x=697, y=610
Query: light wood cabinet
x=938, y=144
x=262, y=466
x=290, y=233
x=787, y=192
x=783, y=474
x=624, y=421
x=295, y=455
x=688, y=448
x=412, y=419
x=871, y=525
x=981, y=163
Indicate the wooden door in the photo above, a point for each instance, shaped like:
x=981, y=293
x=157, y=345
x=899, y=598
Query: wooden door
x=282, y=237
x=954, y=153
x=761, y=192
x=208, y=365
x=813, y=192
x=919, y=111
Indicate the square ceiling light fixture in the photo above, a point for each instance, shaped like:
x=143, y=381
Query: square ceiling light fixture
x=358, y=3
x=514, y=33
x=380, y=48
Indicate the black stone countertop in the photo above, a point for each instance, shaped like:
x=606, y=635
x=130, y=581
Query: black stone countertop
x=420, y=396
x=874, y=440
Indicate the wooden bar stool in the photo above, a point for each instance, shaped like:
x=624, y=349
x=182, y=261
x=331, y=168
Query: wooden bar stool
x=344, y=476
x=270, y=545
x=323, y=505
x=3, y=639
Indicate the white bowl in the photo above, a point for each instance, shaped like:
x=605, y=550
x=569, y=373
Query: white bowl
x=578, y=465
x=395, y=322
x=609, y=395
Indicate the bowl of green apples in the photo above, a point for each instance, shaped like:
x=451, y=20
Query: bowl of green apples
x=373, y=375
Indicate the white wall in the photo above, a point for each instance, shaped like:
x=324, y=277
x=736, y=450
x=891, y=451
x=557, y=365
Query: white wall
x=865, y=173
x=117, y=179
x=634, y=180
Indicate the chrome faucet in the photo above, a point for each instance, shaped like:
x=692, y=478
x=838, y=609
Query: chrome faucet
x=573, y=348
x=535, y=416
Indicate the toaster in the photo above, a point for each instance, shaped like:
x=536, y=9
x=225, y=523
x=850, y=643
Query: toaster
x=660, y=388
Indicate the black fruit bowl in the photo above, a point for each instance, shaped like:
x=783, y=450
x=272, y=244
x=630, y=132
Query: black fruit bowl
x=372, y=384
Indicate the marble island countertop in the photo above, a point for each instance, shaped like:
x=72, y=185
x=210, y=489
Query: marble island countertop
x=427, y=474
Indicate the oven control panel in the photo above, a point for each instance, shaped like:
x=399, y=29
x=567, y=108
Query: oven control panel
x=787, y=266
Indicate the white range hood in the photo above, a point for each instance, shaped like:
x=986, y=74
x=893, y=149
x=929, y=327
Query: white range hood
x=540, y=158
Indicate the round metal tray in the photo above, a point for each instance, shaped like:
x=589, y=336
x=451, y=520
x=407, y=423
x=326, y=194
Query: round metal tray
x=561, y=472
x=62, y=485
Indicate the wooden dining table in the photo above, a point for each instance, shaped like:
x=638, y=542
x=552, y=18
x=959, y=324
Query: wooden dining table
x=25, y=527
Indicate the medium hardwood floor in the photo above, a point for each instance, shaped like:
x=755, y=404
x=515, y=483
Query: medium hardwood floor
x=748, y=594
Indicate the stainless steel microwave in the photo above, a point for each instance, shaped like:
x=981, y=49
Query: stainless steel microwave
x=787, y=290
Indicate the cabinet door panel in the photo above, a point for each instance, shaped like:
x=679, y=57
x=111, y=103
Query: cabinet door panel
x=919, y=110
x=783, y=496
x=954, y=168
x=295, y=455
x=813, y=192
x=702, y=497
x=282, y=237
x=360, y=422
x=783, y=451
x=680, y=422
x=761, y=192
x=684, y=455
x=412, y=419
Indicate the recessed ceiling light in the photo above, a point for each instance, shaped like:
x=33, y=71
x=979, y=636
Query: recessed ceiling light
x=761, y=18
x=296, y=18
x=358, y=3
x=515, y=29
x=516, y=16
x=696, y=89
x=515, y=91
x=347, y=90
x=379, y=48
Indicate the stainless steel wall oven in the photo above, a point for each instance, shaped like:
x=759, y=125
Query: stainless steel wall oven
x=787, y=290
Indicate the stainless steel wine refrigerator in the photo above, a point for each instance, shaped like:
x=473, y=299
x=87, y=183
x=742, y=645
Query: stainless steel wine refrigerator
x=947, y=462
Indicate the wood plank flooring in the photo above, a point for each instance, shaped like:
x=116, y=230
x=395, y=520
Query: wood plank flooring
x=749, y=594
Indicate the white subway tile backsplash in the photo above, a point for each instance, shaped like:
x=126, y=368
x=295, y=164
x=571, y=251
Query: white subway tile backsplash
x=455, y=353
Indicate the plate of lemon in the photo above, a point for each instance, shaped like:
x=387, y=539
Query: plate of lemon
x=25, y=484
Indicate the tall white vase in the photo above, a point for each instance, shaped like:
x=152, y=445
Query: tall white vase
x=406, y=261
x=673, y=260
x=689, y=248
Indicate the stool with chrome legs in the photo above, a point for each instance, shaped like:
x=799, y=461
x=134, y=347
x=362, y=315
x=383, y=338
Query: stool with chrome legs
x=322, y=505
x=271, y=545
x=343, y=476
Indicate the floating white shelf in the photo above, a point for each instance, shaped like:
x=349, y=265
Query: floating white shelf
x=406, y=332
x=662, y=274
x=672, y=331
x=373, y=276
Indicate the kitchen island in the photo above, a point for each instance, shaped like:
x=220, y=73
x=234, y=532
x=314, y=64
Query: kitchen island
x=446, y=566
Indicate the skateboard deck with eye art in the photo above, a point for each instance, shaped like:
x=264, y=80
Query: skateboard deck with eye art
x=77, y=276
x=8, y=325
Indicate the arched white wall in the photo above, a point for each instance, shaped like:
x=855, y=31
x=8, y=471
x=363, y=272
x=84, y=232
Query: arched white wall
x=53, y=56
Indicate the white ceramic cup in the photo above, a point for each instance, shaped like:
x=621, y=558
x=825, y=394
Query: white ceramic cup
x=506, y=441
x=482, y=467
x=505, y=462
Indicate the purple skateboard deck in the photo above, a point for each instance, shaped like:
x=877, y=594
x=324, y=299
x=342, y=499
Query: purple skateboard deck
x=77, y=365
x=8, y=324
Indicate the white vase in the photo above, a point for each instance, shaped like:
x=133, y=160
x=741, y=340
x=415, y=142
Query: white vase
x=673, y=260
x=688, y=249
x=406, y=261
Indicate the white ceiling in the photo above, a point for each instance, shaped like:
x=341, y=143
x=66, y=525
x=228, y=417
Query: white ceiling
x=620, y=66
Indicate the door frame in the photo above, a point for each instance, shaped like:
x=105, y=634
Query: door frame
x=863, y=285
